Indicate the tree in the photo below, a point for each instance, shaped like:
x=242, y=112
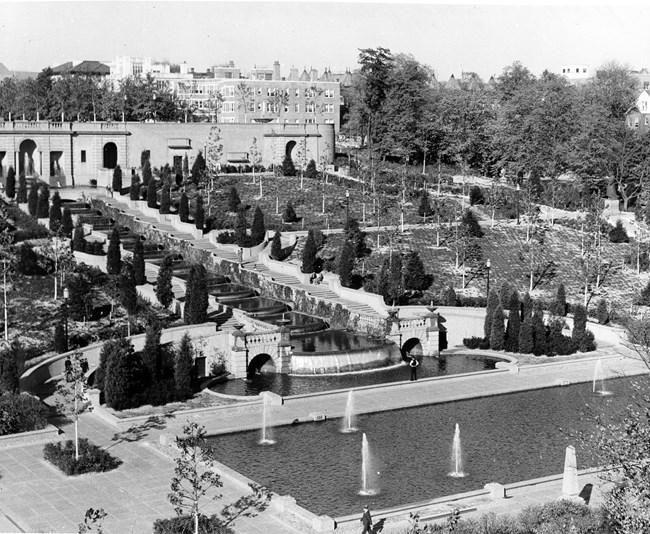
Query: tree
x=72, y=393
x=32, y=199
x=56, y=259
x=311, y=171
x=165, y=199
x=288, y=168
x=358, y=238
x=559, y=306
x=60, y=343
x=196, y=311
x=183, y=364
x=424, y=208
x=10, y=184
x=117, y=180
x=198, y=168
x=134, y=189
x=184, y=208
x=186, y=166
x=199, y=213
x=497, y=334
x=602, y=312
x=12, y=361
x=21, y=197
x=618, y=234
x=492, y=301
x=309, y=254
x=147, y=175
x=395, y=278
x=540, y=346
x=258, y=229
x=55, y=212
x=514, y=324
x=346, y=263
x=415, y=276
x=43, y=202
x=289, y=214
x=164, y=292
x=526, y=341
x=119, y=373
x=470, y=225
x=66, y=223
x=78, y=238
x=276, y=246
x=449, y=297
x=138, y=263
x=476, y=196
x=241, y=230
x=152, y=201
x=127, y=288
x=234, y=201
x=151, y=353
x=113, y=254
x=214, y=151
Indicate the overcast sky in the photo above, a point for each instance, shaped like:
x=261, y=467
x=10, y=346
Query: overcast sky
x=449, y=37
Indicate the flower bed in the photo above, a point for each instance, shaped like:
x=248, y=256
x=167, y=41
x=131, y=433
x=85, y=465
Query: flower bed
x=92, y=458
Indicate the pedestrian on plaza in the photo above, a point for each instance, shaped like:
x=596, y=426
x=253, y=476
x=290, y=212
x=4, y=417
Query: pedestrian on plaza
x=413, y=364
x=366, y=521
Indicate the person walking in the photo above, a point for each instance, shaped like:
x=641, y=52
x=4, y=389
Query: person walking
x=413, y=364
x=366, y=521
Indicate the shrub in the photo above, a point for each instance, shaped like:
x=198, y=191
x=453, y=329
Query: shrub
x=146, y=173
x=289, y=214
x=134, y=189
x=117, y=179
x=21, y=196
x=21, y=413
x=227, y=238
x=151, y=194
x=92, y=458
x=183, y=364
x=199, y=213
x=27, y=260
x=470, y=225
x=114, y=259
x=602, y=312
x=185, y=525
x=424, y=208
x=311, y=171
x=66, y=222
x=165, y=199
x=258, y=229
x=473, y=342
x=10, y=185
x=184, y=208
x=346, y=263
x=288, y=168
x=138, y=263
x=164, y=292
x=497, y=333
x=415, y=276
x=32, y=199
x=449, y=297
x=60, y=344
x=43, y=202
x=476, y=195
x=276, y=246
x=559, y=306
x=234, y=202
x=618, y=234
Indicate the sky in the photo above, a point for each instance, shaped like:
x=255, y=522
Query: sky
x=450, y=38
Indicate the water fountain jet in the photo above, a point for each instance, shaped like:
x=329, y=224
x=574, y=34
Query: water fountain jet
x=456, y=456
x=348, y=419
x=598, y=387
x=368, y=479
x=266, y=431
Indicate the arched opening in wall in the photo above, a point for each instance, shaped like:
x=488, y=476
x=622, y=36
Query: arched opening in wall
x=412, y=347
x=260, y=365
x=110, y=156
x=289, y=148
x=27, y=153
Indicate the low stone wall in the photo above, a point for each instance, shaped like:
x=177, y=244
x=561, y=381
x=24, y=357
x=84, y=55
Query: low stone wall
x=24, y=439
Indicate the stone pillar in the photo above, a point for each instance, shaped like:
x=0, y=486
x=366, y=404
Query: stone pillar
x=16, y=164
x=392, y=324
x=570, y=485
x=238, y=354
x=285, y=351
x=39, y=165
x=431, y=345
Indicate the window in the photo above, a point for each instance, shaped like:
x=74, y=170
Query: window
x=286, y=108
x=636, y=122
x=584, y=71
x=328, y=108
x=563, y=71
x=329, y=93
x=310, y=93
x=271, y=107
x=260, y=106
x=297, y=93
x=644, y=105
x=310, y=107
x=259, y=90
x=228, y=107
x=646, y=121
x=228, y=90
x=227, y=119
x=137, y=69
x=329, y=121
x=310, y=120
x=83, y=156
x=296, y=108
x=577, y=70
x=268, y=76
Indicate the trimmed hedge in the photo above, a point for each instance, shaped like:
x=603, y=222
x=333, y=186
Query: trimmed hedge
x=185, y=525
x=21, y=413
x=92, y=458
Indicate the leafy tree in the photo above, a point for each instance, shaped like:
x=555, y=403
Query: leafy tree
x=346, y=263
x=618, y=234
x=32, y=199
x=288, y=168
x=470, y=224
x=199, y=213
x=21, y=197
x=138, y=263
x=234, y=201
x=12, y=361
x=134, y=189
x=55, y=212
x=127, y=288
x=82, y=294
x=492, y=301
x=497, y=333
x=66, y=223
x=198, y=168
x=183, y=364
x=415, y=276
x=559, y=306
x=43, y=202
x=164, y=292
x=119, y=374
x=311, y=171
x=147, y=175
x=113, y=254
x=358, y=238
x=152, y=201
x=10, y=184
x=540, y=346
x=184, y=208
x=514, y=324
x=258, y=229
x=309, y=254
x=165, y=199
x=276, y=246
x=289, y=214
x=151, y=353
x=117, y=180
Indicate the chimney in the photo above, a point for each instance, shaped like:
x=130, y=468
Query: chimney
x=276, y=70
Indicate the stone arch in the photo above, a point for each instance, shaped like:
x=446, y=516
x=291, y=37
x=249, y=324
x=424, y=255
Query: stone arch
x=27, y=158
x=289, y=148
x=261, y=363
x=412, y=346
x=110, y=156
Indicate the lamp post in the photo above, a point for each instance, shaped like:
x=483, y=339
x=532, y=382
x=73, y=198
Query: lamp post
x=66, y=296
x=347, y=205
x=154, y=107
x=487, y=268
x=518, y=191
x=124, y=109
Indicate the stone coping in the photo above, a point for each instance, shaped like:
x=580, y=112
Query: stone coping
x=22, y=439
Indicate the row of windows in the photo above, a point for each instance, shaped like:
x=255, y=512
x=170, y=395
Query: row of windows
x=286, y=121
x=310, y=107
x=636, y=122
x=568, y=71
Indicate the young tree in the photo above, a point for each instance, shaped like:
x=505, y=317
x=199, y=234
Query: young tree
x=56, y=259
x=309, y=254
x=72, y=393
x=199, y=213
x=415, y=276
x=258, y=229
x=43, y=202
x=113, y=254
x=289, y=214
x=55, y=212
x=492, y=302
x=184, y=208
x=234, y=202
x=276, y=246
x=346, y=263
x=514, y=324
x=66, y=223
x=21, y=197
x=10, y=185
x=559, y=306
x=152, y=201
x=497, y=334
x=138, y=263
x=183, y=364
x=134, y=189
x=32, y=199
x=164, y=292
x=288, y=168
x=117, y=180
